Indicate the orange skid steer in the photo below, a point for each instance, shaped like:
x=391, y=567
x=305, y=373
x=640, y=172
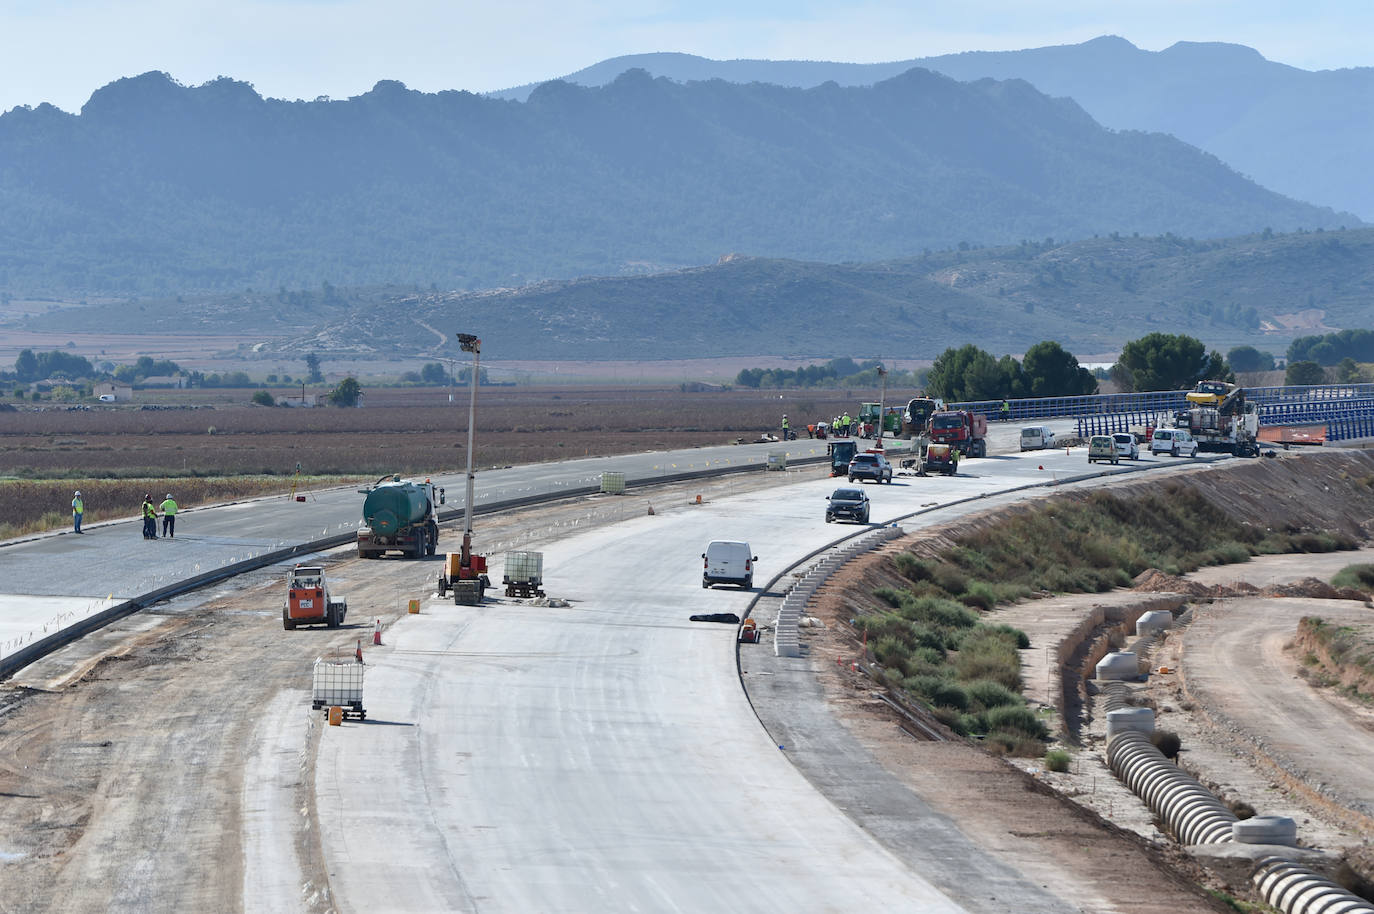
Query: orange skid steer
x=308, y=601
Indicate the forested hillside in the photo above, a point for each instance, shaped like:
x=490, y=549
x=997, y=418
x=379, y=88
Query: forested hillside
x=1092, y=296
x=160, y=188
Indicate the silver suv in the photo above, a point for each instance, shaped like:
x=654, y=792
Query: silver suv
x=870, y=466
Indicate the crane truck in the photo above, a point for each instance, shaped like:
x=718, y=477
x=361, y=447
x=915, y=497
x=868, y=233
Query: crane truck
x=1221, y=419
x=400, y=515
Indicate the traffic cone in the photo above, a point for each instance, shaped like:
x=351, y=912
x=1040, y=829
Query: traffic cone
x=358, y=654
x=377, y=633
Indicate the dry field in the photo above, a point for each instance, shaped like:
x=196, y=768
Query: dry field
x=394, y=431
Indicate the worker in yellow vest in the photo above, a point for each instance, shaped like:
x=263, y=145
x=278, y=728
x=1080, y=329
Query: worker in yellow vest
x=149, y=518
x=78, y=509
x=169, y=517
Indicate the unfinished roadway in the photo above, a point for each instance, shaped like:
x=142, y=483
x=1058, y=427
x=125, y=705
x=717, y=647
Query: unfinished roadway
x=516, y=757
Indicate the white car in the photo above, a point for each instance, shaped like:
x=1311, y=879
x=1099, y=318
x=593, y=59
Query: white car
x=107, y=398
x=1126, y=446
x=1176, y=441
x=1036, y=437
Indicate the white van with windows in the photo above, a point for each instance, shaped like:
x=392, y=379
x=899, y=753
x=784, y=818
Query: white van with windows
x=728, y=562
x=1176, y=441
x=1036, y=437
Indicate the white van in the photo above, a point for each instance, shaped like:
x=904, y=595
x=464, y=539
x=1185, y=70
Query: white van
x=1036, y=437
x=1176, y=441
x=728, y=562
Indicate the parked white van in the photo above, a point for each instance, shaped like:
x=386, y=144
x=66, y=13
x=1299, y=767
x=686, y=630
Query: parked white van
x=728, y=562
x=1176, y=441
x=1035, y=437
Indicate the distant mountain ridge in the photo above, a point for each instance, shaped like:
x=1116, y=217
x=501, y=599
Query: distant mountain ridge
x=158, y=187
x=1308, y=135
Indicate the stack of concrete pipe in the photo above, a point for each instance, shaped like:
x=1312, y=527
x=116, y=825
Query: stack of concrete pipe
x=1295, y=889
x=786, y=634
x=1188, y=809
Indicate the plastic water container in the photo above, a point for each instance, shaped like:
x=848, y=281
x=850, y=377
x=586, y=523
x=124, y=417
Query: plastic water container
x=613, y=483
x=524, y=567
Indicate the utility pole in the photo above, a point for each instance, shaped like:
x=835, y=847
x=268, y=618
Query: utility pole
x=882, y=400
x=470, y=343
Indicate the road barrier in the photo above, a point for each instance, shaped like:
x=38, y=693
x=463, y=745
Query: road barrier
x=786, y=630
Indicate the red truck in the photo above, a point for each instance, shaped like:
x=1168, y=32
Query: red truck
x=964, y=430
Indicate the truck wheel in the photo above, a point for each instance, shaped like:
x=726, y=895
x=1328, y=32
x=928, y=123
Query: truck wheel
x=286, y=622
x=331, y=616
x=443, y=585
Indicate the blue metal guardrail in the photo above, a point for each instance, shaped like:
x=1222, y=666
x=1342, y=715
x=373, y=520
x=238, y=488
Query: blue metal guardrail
x=1154, y=401
x=1346, y=417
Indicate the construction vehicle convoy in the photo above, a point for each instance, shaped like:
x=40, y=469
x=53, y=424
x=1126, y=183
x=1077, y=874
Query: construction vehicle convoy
x=964, y=430
x=308, y=601
x=400, y=515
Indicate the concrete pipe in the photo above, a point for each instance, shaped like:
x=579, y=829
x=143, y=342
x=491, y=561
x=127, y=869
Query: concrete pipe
x=1295, y=889
x=1153, y=622
x=1122, y=665
x=1266, y=830
x=1189, y=810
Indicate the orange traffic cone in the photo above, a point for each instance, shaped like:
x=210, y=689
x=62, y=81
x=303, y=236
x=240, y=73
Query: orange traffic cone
x=358, y=654
x=377, y=633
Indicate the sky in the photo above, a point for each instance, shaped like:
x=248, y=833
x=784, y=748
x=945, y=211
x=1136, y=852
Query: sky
x=60, y=51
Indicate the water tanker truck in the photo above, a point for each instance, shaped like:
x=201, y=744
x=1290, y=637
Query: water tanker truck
x=400, y=515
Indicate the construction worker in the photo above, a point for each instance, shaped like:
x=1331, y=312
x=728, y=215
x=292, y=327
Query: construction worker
x=848, y=424
x=1005, y=410
x=169, y=517
x=149, y=518
x=786, y=428
x=78, y=509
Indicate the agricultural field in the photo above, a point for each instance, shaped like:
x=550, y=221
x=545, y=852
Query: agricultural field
x=214, y=443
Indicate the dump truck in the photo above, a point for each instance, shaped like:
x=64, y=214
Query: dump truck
x=400, y=515
x=964, y=430
x=841, y=452
x=308, y=601
x=524, y=574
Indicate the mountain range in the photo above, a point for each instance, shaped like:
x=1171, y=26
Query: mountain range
x=159, y=188
x=1305, y=134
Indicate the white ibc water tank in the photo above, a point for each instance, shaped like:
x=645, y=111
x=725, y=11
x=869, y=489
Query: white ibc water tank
x=1134, y=720
x=613, y=483
x=1156, y=620
x=1266, y=830
x=1119, y=665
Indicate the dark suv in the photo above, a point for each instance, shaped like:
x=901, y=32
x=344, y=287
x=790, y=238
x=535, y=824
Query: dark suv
x=870, y=466
x=847, y=504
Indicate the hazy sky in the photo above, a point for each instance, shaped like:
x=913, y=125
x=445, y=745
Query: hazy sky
x=60, y=51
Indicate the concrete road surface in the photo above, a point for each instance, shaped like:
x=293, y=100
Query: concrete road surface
x=602, y=755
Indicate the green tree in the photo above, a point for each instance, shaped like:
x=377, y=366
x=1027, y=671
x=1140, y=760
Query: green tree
x=433, y=373
x=347, y=393
x=1166, y=361
x=26, y=366
x=1348, y=371
x=263, y=398
x=1051, y=371
x=1304, y=373
x=1248, y=358
x=312, y=365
